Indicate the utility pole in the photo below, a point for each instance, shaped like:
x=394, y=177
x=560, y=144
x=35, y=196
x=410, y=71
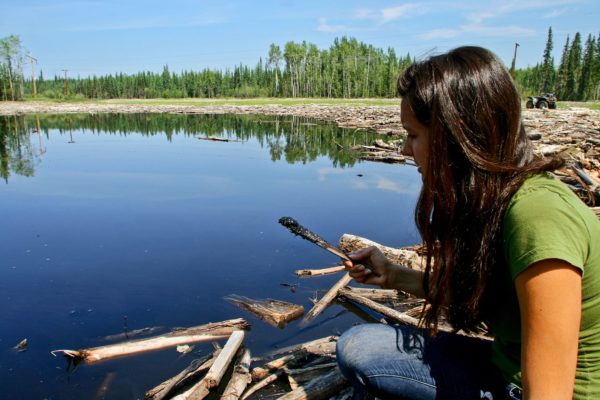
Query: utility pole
x=66, y=83
x=32, y=61
x=514, y=60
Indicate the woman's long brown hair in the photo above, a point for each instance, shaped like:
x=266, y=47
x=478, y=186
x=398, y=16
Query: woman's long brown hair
x=478, y=156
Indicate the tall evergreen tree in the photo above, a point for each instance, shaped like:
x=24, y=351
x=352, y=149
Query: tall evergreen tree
x=574, y=68
x=548, y=64
x=563, y=70
x=586, y=83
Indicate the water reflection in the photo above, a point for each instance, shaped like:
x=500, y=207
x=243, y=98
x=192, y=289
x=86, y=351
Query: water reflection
x=139, y=224
x=293, y=139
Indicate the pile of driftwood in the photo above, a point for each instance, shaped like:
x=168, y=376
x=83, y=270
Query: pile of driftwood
x=303, y=371
x=573, y=135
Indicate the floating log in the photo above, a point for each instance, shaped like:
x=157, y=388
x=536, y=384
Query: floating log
x=405, y=256
x=321, y=388
x=240, y=378
x=202, y=333
x=219, y=139
x=214, y=375
x=319, y=272
x=308, y=373
x=195, y=368
x=324, y=347
x=327, y=298
x=380, y=308
x=275, y=312
x=261, y=384
x=381, y=295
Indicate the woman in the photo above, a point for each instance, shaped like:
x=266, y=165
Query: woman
x=508, y=246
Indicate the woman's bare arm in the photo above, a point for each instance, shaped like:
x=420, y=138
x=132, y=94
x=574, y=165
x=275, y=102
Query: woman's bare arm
x=549, y=295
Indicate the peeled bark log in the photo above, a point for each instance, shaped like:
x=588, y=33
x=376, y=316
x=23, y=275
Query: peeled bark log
x=215, y=373
x=240, y=378
x=203, y=333
x=405, y=256
x=318, y=272
x=388, y=312
x=327, y=298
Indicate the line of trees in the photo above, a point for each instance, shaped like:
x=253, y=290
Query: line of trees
x=11, y=68
x=577, y=77
x=348, y=69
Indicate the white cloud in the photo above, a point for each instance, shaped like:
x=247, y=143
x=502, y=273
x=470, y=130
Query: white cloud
x=390, y=14
x=364, y=13
x=479, y=29
x=502, y=31
x=325, y=27
x=555, y=13
x=440, y=34
x=507, y=7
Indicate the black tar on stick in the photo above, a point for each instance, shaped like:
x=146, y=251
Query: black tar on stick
x=305, y=233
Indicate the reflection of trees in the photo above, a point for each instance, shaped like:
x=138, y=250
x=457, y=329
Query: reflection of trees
x=293, y=139
x=16, y=151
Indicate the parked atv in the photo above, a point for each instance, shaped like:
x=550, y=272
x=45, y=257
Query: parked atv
x=543, y=101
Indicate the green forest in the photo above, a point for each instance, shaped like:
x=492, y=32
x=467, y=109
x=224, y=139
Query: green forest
x=347, y=69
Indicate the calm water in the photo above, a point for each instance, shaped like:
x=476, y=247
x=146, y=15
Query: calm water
x=112, y=223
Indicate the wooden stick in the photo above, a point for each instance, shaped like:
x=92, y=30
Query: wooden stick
x=323, y=346
x=319, y=272
x=215, y=373
x=379, y=294
x=262, y=372
x=208, y=332
x=162, y=390
x=320, y=388
x=240, y=378
x=388, y=312
x=259, y=385
x=327, y=298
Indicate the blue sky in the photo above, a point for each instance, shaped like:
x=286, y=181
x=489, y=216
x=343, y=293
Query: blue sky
x=105, y=37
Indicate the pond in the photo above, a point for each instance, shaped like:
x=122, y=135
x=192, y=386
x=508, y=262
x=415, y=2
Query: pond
x=112, y=223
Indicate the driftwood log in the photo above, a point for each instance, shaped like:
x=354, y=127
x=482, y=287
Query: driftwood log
x=380, y=295
x=203, y=333
x=275, y=312
x=318, y=272
x=404, y=256
x=380, y=308
x=240, y=378
x=214, y=375
x=324, y=347
x=196, y=367
x=323, y=387
x=327, y=298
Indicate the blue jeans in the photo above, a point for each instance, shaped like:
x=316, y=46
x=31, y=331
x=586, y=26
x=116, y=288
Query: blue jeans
x=398, y=362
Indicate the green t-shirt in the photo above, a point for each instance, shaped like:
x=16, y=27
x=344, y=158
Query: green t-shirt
x=546, y=220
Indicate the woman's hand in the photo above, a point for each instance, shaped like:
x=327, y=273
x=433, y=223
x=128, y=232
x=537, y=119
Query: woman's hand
x=391, y=276
x=375, y=260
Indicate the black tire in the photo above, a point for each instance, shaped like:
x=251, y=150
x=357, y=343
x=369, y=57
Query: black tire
x=542, y=104
x=529, y=104
x=552, y=106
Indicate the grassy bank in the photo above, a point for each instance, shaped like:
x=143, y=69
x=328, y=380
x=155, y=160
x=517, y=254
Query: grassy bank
x=563, y=105
x=230, y=101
